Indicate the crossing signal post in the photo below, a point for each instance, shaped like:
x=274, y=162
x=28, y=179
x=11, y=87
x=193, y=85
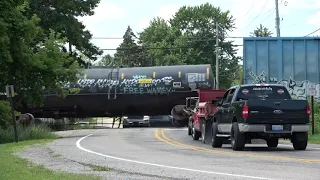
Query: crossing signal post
x=10, y=94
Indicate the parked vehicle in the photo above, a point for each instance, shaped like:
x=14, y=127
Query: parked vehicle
x=258, y=111
x=161, y=121
x=136, y=121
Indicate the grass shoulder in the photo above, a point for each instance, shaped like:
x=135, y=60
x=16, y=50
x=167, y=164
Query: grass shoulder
x=314, y=139
x=13, y=167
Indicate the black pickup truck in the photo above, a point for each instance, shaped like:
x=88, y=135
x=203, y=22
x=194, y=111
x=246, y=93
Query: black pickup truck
x=260, y=111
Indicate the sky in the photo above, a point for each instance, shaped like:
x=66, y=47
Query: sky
x=297, y=17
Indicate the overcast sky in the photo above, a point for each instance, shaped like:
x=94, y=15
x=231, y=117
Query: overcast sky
x=298, y=17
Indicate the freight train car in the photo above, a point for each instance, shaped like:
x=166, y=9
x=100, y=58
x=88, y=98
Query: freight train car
x=127, y=91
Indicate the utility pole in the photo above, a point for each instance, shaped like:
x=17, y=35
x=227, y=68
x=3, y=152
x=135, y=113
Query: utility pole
x=217, y=55
x=277, y=18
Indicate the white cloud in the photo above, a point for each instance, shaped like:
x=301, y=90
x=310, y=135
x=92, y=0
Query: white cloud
x=105, y=11
x=167, y=11
x=314, y=20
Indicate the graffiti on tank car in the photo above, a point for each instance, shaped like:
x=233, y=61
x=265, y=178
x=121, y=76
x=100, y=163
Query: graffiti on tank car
x=129, y=82
x=151, y=90
x=99, y=83
x=139, y=76
x=160, y=90
x=137, y=84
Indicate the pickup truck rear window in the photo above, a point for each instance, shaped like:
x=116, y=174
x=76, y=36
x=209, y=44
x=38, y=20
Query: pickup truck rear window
x=262, y=92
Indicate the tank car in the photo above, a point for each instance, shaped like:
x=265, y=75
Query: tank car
x=109, y=92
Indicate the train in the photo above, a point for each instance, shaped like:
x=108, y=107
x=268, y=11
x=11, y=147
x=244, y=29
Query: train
x=116, y=92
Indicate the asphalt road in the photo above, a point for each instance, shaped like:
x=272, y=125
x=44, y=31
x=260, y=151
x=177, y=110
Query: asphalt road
x=150, y=153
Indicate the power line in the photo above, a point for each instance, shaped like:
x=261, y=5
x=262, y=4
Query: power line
x=229, y=37
x=271, y=12
x=249, y=9
x=312, y=32
x=146, y=48
x=258, y=14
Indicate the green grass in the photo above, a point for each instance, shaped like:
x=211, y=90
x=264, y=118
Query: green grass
x=13, y=167
x=314, y=139
x=26, y=133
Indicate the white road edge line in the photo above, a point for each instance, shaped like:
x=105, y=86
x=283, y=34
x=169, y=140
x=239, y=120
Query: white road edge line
x=164, y=166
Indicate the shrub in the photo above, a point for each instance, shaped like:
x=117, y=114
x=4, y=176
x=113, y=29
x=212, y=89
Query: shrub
x=26, y=133
x=5, y=114
x=316, y=115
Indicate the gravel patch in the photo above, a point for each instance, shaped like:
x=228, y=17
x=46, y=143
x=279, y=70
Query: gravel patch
x=43, y=154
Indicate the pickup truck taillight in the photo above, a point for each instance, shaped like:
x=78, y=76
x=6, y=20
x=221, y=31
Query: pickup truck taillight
x=245, y=111
x=308, y=111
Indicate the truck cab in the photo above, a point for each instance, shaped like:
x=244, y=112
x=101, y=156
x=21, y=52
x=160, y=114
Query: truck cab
x=260, y=111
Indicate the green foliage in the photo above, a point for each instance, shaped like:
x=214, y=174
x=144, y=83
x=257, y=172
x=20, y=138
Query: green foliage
x=238, y=79
x=26, y=133
x=32, y=58
x=316, y=115
x=5, y=115
x=261, y=31
x=61, y=16
x=128, y=53
x=107, y=60
x=189, y=38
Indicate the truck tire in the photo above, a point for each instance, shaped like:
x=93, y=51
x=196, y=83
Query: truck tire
x=189, y=126
x=300, y=141
x=238, y=139
x=216, y=142
x=203, y=133
x=272, y=142
x=195, y=134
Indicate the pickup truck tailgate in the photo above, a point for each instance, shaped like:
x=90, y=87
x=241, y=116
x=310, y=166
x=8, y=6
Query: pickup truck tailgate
x=277, y=111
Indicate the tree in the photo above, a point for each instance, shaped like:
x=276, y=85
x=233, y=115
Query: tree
x=60, y=16
x=129, y=53
x=31, y=69
x=161, y=39
x=189, y=38
x=261, y=31
x=107, y=60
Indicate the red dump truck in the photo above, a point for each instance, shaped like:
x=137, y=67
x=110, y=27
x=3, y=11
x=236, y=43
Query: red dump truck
x=200, y=110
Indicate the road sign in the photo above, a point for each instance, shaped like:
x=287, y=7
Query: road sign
x=258, y=79
x=10, y=91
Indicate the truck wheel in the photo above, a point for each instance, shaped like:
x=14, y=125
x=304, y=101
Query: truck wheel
x=189, y=126
x=238, y=139
x=300, y=141
x=215, y=141
x=272, y=142
x=195, y=134
x=203, y=133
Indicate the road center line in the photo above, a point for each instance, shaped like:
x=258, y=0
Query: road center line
x=78, y=144
x=280, y=144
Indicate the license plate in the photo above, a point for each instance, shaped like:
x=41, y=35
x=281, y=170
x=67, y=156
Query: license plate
x=277, y=127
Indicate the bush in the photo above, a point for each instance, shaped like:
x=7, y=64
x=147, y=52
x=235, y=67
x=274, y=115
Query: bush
x=5, y=114
x=316, y=116
x=26, y=133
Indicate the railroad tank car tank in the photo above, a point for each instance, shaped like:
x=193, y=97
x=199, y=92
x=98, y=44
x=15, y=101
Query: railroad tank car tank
x=128, y=91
